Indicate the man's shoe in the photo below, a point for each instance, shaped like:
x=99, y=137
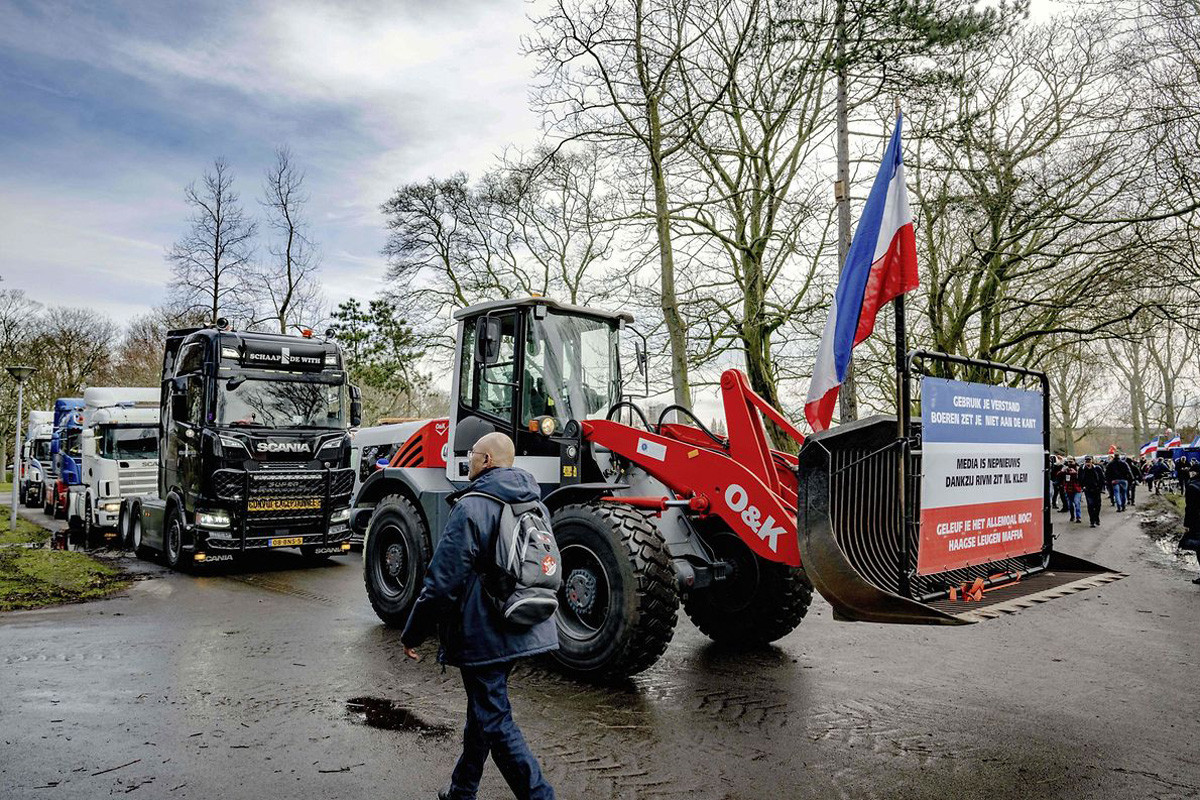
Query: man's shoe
x=1196, y=581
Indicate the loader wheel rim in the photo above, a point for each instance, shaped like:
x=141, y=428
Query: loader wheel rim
x=586, y=599
x=392, y=570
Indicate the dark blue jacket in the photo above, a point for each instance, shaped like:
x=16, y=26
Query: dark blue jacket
x=452, y=600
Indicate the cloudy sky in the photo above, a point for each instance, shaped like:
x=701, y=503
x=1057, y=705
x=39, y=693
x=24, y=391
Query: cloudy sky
x=111, y=108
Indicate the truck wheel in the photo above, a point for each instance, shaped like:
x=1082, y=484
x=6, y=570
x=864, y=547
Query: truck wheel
x=760, y=602
x=618, y=602
x=123, y=533
x=395, y=555
x=173, y=544
x=135, y=538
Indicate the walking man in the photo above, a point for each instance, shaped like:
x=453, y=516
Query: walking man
x=1119, y=475
x=1072, y=489
x=473, y=636
x=1091, y=477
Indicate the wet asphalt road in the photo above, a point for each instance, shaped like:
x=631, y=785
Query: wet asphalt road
x=239, y=684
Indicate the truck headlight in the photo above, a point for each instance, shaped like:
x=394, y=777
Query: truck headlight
x=216, y=518
x=111, y=508
x=340, y=515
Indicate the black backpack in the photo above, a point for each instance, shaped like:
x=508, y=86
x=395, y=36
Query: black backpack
x=524, y=573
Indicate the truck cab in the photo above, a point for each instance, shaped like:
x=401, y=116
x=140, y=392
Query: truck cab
x=254, y=448
x=65, y=457
x=35, y=457
x=120, y=454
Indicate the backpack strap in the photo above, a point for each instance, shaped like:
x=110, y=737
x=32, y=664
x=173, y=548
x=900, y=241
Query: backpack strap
x=480, y=494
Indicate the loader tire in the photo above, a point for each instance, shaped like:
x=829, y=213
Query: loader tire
x=395, y=555
x=618, y=602
x=761, y=602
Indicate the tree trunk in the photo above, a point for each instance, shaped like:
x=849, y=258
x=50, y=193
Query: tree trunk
x=666, y=259
x=756, y=341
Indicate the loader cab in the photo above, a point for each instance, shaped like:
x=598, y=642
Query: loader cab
x=533, y=369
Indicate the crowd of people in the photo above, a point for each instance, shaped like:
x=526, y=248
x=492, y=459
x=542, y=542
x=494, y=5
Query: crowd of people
x=1118, y=476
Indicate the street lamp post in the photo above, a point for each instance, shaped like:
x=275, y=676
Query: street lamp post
x=20, y=375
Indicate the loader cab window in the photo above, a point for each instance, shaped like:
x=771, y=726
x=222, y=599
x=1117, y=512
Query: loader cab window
x=571, y=369
x=483, y=388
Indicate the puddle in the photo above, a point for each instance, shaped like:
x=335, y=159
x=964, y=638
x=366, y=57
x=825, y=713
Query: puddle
x=386, y=715
x=1165, y=528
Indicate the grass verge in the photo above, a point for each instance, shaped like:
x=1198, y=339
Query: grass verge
x=26, y=533
x=33, y=578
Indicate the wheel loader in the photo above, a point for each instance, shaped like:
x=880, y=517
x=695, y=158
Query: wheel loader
x=652, y=515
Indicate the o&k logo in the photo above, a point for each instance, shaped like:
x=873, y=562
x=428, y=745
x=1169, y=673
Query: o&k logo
x=738, y=501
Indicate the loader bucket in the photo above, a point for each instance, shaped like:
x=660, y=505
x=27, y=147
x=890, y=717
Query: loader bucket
x=859, y=545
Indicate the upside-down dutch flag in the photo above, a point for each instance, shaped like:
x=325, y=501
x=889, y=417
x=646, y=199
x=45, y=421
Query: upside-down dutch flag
x=1175, y=442
x=880, y=266
x=1150, y=448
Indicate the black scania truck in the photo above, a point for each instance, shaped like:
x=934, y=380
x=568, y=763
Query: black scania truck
x=254, y=449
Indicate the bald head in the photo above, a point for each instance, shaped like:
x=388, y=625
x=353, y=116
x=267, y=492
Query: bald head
x=492, y=450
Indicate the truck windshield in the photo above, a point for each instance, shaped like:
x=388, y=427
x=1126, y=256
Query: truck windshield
x=281, y=404
x=570, y=368
x=41, y=449
x=128, y=443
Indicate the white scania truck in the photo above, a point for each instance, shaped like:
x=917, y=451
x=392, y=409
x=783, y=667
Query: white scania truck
x=120, y=456
x=36, y=463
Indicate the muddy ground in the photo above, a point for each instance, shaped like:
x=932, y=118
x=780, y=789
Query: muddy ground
x=275, y=680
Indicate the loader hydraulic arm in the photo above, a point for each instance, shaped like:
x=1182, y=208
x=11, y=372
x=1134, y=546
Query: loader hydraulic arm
x=741, y=480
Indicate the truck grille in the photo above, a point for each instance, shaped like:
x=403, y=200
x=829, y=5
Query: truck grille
x=137, y=481
x=230, y=484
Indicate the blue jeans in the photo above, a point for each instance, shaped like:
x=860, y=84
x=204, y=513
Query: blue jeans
x=1073, y=505
x=491, y=730
x=1120, y=490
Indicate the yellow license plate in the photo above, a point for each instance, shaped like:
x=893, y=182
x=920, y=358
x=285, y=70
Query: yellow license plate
x=288, y=504
x=290, y=541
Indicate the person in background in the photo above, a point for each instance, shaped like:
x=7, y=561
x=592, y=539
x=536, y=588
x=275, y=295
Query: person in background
x=1118, y=475
x=1059, y=500
x=1181, y=473
x=1135, y=477
x=1091, y=478
x=1072, y=489
x=1158, y=473
x=1191, y=512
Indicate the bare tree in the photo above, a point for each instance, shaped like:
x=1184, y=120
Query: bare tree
x=537, y=225
x=1036, y=217
x=289, y=278
x=72, y=348
x=611, y=73
x=211, y=263
x=747, y=205
x=18, y=322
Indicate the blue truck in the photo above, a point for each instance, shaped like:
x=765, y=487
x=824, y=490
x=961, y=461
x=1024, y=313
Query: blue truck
x=66, y=458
